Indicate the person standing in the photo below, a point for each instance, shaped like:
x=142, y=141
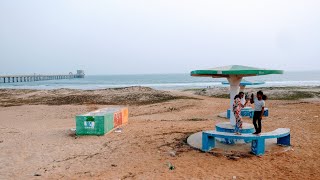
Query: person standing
x=237, y=107
x=259, y=105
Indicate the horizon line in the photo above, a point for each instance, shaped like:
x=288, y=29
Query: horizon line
x=152, y=73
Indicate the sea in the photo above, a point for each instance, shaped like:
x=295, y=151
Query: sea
x=166, y=81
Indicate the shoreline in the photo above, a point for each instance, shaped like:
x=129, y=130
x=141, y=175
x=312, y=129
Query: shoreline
x=164, y=87
x=175, y=89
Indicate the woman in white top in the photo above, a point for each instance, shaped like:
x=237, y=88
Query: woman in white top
x=259, y=105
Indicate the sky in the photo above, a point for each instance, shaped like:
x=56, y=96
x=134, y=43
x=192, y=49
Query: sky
x=157, y=36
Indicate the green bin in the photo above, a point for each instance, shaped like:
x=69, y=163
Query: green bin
x=94, y=123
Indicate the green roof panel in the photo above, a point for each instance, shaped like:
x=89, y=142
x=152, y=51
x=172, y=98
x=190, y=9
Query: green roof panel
x=225, y=71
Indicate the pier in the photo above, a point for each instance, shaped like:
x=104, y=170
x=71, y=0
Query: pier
x=38, y=77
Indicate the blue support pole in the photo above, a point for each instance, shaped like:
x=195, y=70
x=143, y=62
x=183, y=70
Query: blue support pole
x=258, y=146
x=208, y=142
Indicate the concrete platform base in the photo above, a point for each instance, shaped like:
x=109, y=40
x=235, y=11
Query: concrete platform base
x=223, y=115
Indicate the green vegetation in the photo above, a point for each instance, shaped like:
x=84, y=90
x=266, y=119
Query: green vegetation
x=293, y=95
x=195, y=89
x=224, y=96
x=196, y=119
x=119, y=96
x=288, y=95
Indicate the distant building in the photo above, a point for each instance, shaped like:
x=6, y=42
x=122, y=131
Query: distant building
x=80, y=74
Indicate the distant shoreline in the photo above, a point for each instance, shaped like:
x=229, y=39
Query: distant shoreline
x=138, y=95
x=170, y=89
x=165, y=87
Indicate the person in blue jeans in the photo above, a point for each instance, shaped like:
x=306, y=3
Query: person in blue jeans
x=259, y=105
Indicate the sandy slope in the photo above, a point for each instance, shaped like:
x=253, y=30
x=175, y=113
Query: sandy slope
x=35, y=139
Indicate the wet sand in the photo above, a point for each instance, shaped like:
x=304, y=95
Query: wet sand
x=35, y=138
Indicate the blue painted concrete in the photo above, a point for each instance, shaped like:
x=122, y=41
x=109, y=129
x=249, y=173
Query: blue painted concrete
x=248, y=112
x=242, y=131
x=245, y=83
x=209, y=141
x=258, y=142
x=284, y=140
x=228, y=128
x=258, y=146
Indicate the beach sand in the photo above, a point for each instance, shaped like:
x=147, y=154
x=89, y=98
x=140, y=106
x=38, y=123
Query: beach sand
x=36, y=141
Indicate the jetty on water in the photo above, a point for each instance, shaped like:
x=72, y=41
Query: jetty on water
x=39, y=77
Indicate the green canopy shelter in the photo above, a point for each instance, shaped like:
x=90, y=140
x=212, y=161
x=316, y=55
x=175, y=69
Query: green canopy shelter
x=234, y=74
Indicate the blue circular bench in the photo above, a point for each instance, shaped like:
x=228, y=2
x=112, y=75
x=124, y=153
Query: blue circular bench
x=257, y=142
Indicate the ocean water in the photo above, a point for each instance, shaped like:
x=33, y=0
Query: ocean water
x=166, y=81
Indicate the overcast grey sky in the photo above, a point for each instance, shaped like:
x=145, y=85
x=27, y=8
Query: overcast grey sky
x=157, y=36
